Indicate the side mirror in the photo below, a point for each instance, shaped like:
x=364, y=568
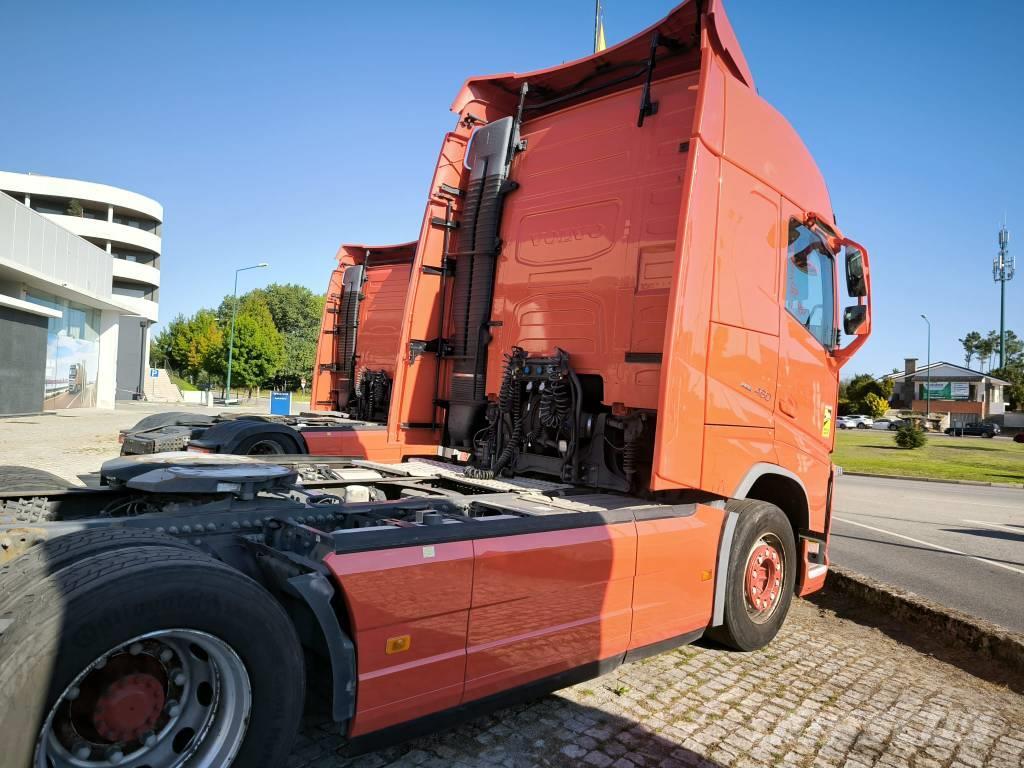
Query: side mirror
x=856, y=285
x=855, y=319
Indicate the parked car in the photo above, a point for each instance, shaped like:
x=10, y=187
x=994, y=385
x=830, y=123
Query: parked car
x=977, y=428
x=845, y=422
x=860, y=421
x=891, y=424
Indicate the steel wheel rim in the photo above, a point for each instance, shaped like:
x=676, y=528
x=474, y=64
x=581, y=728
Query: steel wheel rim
x=764, y=578
x=266, y=448
x=204, y=707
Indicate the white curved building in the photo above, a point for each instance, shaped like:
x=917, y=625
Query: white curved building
x=127, y=226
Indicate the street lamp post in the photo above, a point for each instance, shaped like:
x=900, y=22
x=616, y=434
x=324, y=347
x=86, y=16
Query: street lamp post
x=234, y=314
x=928, y=375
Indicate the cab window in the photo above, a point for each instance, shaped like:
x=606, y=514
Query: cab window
x=810, y=285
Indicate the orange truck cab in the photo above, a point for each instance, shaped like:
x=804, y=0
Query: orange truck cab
x=360, y=331
x=629, y=276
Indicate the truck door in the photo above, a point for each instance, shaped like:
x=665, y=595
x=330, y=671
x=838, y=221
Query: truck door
x=808, y=373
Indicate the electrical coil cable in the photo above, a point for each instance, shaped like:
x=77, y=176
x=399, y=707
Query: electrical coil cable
x=555, y=401
x=629, y=452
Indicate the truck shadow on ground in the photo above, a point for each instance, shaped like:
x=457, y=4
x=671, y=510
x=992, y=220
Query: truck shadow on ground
x=922, y=638
x=548, y=731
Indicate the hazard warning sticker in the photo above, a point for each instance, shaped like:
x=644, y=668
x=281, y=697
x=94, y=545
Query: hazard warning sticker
x=826, y=422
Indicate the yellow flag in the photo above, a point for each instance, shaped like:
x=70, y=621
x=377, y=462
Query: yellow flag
x=599, y=43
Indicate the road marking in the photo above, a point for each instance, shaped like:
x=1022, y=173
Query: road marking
x=933, y=546
x=1019, y=530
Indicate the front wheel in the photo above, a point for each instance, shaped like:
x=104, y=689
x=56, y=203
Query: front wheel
x=862, y=425
x=148, y=657
x=760, y=578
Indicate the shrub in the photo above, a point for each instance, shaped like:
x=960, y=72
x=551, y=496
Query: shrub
x=909, y=435
x=875, y=406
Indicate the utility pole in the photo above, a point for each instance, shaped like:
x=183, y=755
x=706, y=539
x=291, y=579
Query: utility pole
x=234, y=314
x=928, y=375
x=1002, y=273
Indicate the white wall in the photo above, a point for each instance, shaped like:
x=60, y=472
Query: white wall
x=106, y=375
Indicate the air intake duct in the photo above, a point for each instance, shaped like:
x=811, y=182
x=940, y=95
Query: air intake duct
x=345, y=329
x=476, y=254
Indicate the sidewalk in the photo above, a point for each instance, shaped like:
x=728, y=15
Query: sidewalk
x=75, y=442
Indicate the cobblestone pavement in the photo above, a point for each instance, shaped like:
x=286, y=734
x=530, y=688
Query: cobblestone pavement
x=827, y=692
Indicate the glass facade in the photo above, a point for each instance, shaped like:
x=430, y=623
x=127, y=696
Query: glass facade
x=72, y=354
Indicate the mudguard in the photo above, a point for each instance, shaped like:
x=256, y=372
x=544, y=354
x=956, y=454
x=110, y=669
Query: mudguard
x=227, y=436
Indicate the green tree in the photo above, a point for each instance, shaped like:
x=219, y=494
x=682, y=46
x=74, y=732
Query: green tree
x=986, y=348
x=1013, y=373
x=296, y=313
x=910, y=436
x=853, y=392
x=970, y=344
x=875, y=406
x=166, y=347
x=205, y=342
x=74, y=208
x=259, y=348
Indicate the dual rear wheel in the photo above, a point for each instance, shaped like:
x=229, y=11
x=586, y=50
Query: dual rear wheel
x=143, y=654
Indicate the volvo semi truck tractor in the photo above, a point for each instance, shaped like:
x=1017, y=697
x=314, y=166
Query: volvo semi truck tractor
x=361, y=330
x=609, y=434
x=355, y=362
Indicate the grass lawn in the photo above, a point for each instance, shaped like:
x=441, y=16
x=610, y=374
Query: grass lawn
x=947, y=458
x=183, y=384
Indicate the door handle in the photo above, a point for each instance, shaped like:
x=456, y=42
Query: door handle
x=788, y=406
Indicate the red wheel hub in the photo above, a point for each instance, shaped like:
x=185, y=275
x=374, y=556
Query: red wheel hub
x=764, y=578
x=129, y=707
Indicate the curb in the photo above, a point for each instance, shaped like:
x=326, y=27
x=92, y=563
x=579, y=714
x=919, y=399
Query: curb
x=1016, y=486
x=966, y=632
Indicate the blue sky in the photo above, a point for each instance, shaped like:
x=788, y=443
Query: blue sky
x=273, y=132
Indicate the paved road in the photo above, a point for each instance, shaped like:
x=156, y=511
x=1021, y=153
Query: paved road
x=960, y=545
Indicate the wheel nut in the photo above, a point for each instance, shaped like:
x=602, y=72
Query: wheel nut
x=115, y=756
x=166, y=655
x=135, y=649
x=73, y=693
x=101, y=663
x=149, y=739
x=83, y=752
x=173, y=708
x=179, y=678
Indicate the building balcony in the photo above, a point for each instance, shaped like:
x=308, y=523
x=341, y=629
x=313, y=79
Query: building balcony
x=138, y=273
x=99, y=229
x=143, y=307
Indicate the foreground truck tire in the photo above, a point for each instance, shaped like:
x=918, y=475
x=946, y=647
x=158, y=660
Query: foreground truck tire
x=148, y=656
x=50, y=557
x=761, y=576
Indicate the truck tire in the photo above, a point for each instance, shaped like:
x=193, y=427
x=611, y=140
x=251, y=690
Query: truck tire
x=762, y=560
x=14, y=479
x=269, y=444
x=45, y=559
x=147, y=655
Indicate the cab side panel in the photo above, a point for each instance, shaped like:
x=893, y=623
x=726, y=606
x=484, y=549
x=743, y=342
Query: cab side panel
x=422, y=593
x=589, y=238
x=548, y=602
x=381, y=314
x=674, y=586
